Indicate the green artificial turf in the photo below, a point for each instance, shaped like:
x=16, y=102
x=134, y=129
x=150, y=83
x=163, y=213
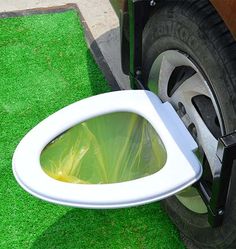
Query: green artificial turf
x=44, y=66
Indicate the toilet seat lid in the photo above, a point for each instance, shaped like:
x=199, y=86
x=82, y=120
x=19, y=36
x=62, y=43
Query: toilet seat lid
x=181, y=170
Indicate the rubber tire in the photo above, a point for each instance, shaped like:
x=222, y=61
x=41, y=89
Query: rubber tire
x=195, y=28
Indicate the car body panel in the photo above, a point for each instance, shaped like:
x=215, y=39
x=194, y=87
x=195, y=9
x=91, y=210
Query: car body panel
x=227, y=11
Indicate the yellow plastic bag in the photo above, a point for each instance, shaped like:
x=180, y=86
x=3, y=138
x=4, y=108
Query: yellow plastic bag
x=111, y=148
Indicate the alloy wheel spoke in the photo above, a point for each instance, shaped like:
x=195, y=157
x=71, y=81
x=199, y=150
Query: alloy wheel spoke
x=166, y=68
x=191, y=87
x=204, y=137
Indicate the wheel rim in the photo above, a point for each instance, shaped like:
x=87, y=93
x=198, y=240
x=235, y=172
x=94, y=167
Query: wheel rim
x=178, y=80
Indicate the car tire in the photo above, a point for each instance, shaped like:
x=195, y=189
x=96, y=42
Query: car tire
x=194, y=29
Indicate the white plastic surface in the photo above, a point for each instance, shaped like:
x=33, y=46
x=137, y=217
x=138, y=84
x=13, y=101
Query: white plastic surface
x=181, y=170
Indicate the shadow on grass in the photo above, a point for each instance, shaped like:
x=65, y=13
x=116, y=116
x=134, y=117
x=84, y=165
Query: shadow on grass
x=139, y=227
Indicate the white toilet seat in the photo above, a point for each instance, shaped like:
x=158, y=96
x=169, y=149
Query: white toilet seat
x=181, y=170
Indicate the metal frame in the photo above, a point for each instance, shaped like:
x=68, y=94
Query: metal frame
x=216, y=196
x=138, y=15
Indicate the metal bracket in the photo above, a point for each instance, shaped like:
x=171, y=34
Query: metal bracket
x=138, y=15
x=216, y=197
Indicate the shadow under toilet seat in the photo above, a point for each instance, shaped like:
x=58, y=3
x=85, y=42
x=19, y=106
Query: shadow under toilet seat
x=181, y=170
